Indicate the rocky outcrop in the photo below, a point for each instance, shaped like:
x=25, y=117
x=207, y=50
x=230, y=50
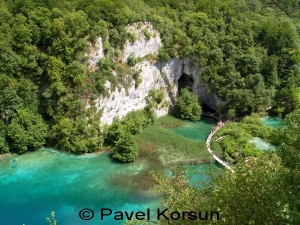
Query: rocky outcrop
x=157, y=76
x=95, y=53
x=144, y=45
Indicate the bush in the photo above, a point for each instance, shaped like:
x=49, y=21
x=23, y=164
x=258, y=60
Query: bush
x=147, y=34
x=188, y=106
x=157, y=95
x=126, y=149
x=132, y=60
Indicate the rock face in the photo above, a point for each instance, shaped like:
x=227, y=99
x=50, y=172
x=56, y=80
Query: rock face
x=95, y=53
x=143, y=46
x=159, y=76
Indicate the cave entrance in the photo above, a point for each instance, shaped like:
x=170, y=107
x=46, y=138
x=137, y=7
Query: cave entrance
x=207, y=109
x=185, y=81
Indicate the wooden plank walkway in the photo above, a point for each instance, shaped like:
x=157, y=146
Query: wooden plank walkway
x=208, y=140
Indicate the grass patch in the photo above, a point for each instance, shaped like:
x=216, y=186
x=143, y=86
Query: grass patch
x=160, y=148
x=169, y=122
x=166, y=148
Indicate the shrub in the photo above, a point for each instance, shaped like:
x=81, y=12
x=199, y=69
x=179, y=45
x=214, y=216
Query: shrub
x=126, y=149
x=146, y=33
x=132, y=60
x=188, y=106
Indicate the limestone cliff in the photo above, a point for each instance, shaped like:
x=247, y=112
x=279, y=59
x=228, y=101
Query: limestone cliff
x=157, y=76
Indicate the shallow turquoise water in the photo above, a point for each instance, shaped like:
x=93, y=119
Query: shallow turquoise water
x=261, y=144
x=274, y=122
x=36, y=183
x=198, y=174
x=196, y=130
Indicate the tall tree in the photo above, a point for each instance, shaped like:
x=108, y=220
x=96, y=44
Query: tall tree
x=126, y=148
x=27, y=130
x=188, y=106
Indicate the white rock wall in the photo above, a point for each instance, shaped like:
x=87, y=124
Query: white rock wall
x=119, y=103
x=142, y=46
x=95, y=53
x=160, y=75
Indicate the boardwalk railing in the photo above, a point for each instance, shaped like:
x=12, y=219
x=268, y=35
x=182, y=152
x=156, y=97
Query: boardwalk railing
x=208, y=140
x=212, y=116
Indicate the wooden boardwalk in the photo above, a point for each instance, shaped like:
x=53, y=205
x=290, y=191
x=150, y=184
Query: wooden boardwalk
x=208, y=140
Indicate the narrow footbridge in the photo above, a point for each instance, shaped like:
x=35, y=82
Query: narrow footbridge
x=208, y=140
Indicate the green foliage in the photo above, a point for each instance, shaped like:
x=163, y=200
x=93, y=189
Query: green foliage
x=171, y=148
x=156, y=96
x=27, y=131
x=132, y=60
x=254, y=194
x=187, y=106
x=244, y=193
x=126, y=148
x=235, y=137
x=4, y=146
x=289, y=153
x=81, y=135
x=240, y=49
x=163, y=55
x=133, y=123
x=248, y=51
x=137, y=78
x=146, y=33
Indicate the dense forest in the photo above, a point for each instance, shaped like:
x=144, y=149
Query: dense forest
x=248, y=49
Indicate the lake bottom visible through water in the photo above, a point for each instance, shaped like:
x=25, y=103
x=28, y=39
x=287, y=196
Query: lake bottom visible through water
x=36, y=183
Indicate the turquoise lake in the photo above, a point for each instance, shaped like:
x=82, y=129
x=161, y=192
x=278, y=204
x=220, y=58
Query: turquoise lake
x=198, y=130
x=274, y=122
x=36, y=183
x=261, y=144
x=197, y=173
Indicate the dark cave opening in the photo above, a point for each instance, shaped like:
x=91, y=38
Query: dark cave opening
x=185, y=81
x=206, y=108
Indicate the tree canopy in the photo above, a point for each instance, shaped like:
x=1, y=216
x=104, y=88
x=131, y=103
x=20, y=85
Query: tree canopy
x=126, y=148
x=188, y=106
x=247, y=50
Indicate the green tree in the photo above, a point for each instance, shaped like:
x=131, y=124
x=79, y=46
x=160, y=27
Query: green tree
x=4, y=147
x=254, y=194
x=113, y=132
x=21, y=32
x=27, y=130
x=187, y=106
x=290, y=155
x=231, y=113
x=126, y=149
